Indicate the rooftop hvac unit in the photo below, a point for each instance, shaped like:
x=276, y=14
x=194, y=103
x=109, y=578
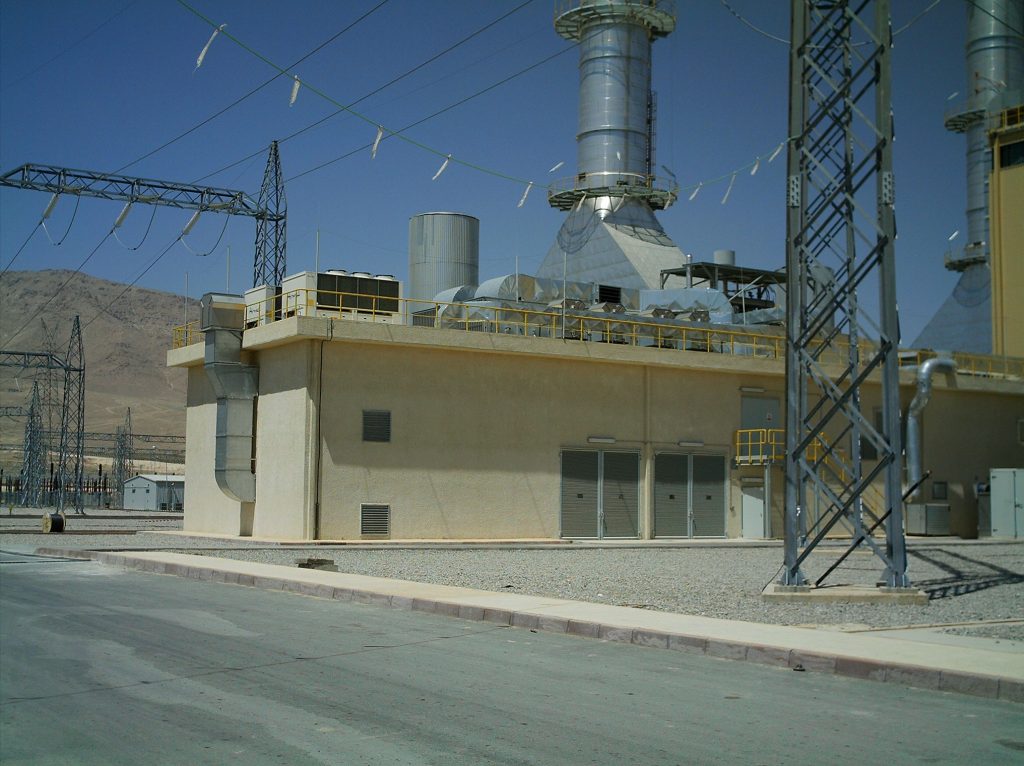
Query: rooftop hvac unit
x=340, y=295
x=262, y=305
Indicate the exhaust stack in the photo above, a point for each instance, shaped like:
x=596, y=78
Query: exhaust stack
x=611, y=235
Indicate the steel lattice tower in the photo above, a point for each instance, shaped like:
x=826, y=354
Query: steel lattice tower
x=33, y=470
x=840, y=237
x=271, y=230
x=70, y=463
x=51, y=399
x=123, y=456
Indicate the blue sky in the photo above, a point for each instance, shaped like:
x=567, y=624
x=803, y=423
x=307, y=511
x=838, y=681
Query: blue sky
x=76, y=96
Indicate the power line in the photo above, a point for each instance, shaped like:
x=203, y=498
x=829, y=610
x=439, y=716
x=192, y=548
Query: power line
x=69, y=48
x=143, y=273
x=54, y=294
x=377, y=90
x=987, y=12
x=31, y=234
x=252, y=92
x=353, y=112
x=439, y=112
x=746, y=22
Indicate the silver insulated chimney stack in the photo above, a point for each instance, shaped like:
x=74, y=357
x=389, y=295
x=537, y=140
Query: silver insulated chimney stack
x=995, y=76
x=611, y=235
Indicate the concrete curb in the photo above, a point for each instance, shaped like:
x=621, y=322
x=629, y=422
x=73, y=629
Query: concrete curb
x=806, y=649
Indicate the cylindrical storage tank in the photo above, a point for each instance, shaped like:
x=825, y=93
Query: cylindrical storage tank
x=444, y=252
x=724, y=257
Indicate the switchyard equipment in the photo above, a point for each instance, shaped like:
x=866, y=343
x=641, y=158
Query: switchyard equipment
x=33, y=470
x=270, y=211
x=70, y=468
x=840, y=202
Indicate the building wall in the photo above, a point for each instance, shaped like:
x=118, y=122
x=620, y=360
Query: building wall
x=476, y=438
x=965, y=434
x=1006, y=190
x=285, y=442
x=478, y=423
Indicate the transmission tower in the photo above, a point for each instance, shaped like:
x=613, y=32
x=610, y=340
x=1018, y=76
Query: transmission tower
x=270, y=213
x=33, y=469
x=49, y=394
x=123, y=456
x=70, y=462
x=271, y=230
x=840, y=234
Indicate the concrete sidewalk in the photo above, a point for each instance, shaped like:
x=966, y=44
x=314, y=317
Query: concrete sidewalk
x=953, y=668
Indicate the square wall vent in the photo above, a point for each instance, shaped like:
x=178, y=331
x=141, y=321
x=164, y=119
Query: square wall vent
x=374, y=520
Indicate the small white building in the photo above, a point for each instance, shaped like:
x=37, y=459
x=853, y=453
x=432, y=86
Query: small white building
x=155, y=492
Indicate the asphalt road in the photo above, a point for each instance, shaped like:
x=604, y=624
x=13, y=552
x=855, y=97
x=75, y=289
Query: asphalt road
x=103, y=666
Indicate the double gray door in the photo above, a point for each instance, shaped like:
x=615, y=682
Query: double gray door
x=600, y=493
x=689, y=495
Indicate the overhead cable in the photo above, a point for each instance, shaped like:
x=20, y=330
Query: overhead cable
x=252, y=92
x=374, y=92
x=46, y=214
x=746, y=22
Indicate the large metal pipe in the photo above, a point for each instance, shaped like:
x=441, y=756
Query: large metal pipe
x=613, y=144
x=917, y=405
x=236, y=386
x=995, y=73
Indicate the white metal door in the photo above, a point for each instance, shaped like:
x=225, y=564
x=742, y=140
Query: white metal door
x=753, y=512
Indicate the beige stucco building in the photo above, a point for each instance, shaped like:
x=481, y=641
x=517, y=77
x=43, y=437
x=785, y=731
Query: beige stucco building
x=367, y=430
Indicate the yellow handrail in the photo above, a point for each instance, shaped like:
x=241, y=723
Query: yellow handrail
x=186, y=335
x=549, y=323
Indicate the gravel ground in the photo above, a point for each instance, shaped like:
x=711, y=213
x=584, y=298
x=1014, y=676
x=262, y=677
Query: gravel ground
x=967, y=582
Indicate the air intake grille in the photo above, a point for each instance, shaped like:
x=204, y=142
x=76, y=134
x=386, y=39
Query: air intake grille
x=376, y=425
x=375, y=520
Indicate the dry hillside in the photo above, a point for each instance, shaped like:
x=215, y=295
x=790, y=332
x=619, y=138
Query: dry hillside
x=125, y=348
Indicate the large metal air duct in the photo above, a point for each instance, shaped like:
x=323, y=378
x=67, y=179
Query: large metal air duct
x=236, y=386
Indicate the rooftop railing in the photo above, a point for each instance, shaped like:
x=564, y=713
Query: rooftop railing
x=572, y=324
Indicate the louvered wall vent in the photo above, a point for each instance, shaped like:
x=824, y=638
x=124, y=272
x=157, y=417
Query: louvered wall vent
x=376, y=425
x=375, y=520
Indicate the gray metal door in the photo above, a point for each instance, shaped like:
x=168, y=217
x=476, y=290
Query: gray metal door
x=671, y=495
x=579, y=493
x=620, y=494
x=708, y=496
x=759, y=412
